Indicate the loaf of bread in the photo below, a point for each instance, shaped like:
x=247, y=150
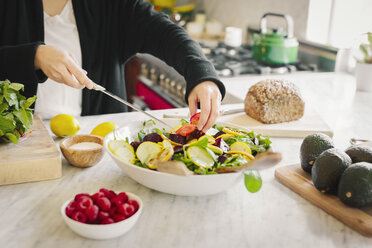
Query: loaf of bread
x=274, y=101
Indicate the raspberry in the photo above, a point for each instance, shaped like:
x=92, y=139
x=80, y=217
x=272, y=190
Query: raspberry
x=83, y=203
x=123, y=196
x=108, y=193
x=92, y=213
x=103, y=215
x=112, y=211
x=97, y=195
x=126, y=209
x=103, y=203
x=107, y=221
x=70, y=209
x=119, y=217
x=78, y=196
x=79, y=216
x=135, y=204
x=117, y=201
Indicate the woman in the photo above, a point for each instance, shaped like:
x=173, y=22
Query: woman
x=90, y=40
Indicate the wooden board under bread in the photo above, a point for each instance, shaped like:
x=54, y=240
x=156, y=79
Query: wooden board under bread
x=310, y=123
x=35, y=157
x=300, y=182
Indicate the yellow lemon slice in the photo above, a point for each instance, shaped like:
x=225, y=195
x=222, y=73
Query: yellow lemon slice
x=172, y=142
x=211, y=140
x=64, y=125
x=200, y=156
x=165, y=154
x=225, y=136
x=166, y=144
x=215, y=149
x=122, y=150
x=103, y=129
x=229, y=131
x=147, y=151
x=240, y=147
x=245, y=155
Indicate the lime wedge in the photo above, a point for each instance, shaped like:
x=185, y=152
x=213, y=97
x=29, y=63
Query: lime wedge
x=252, y=181
x=200, y=156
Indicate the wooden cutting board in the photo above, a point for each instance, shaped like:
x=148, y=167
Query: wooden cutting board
x=310, y=123
x=300, y=182
x=35, y=157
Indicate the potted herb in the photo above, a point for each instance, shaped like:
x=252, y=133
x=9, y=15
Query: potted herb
x=363, y=69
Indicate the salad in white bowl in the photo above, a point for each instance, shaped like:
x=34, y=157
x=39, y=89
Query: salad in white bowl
x=140, y=149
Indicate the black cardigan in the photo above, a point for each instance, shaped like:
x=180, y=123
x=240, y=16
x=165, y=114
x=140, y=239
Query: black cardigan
x=110, y=32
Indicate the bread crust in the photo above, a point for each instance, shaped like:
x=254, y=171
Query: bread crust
x=274, y=101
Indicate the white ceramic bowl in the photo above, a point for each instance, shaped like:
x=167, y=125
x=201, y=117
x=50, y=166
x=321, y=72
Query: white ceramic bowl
x=193, y=185
x=108, y=231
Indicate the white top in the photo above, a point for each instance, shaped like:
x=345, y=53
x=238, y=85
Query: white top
x=52, y=97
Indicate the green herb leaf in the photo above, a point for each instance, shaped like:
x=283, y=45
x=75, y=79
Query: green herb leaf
x=184, y=121
x=16, y=86
x=13, y=138
x=27, y=103
x=201, y=143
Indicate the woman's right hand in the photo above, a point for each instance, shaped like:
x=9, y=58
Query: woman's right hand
x=60, y=66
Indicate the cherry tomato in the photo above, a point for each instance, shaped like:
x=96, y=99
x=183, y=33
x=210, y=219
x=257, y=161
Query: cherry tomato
x=186, y=129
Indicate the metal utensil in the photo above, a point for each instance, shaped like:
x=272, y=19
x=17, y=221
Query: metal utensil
x=262, y=161
x=102, y=89
x=222, y=112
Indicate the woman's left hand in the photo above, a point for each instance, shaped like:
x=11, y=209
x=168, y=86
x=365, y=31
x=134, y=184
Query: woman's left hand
x=209, y=96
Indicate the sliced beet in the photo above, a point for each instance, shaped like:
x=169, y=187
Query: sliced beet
x=135, y=144
x=177, y=149
x=221, y=159
x=177, y=138
x=196, y=134
x=153, y=137
x=255, y=141
x=220, y=143
x=218, y=134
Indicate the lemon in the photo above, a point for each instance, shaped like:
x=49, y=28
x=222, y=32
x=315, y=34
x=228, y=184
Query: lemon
x=240, y=147
x=64, y=125
x=104, y=128
x=200, y=157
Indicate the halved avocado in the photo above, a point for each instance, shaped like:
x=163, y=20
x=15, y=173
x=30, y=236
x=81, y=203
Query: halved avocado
x=328, y=168
x=312, y=146
x=360, y=153
x=355, y=187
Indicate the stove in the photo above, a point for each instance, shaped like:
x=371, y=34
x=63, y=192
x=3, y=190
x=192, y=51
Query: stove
x=231, y=61
x=161, y=87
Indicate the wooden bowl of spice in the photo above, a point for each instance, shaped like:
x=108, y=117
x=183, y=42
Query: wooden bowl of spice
x=82, y=150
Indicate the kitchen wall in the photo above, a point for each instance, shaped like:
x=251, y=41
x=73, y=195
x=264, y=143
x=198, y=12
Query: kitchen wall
x=244, y=13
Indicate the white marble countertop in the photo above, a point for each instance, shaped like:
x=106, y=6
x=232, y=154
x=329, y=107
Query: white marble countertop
x=273, y=217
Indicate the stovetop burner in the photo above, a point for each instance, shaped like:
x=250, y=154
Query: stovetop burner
x=231, y=61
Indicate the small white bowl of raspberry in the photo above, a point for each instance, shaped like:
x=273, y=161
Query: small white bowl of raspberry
x=102, y=215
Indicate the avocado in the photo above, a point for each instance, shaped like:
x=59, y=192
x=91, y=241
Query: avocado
x=328, y=168
x=360, y=153
x=312, y=146
x=355, y=186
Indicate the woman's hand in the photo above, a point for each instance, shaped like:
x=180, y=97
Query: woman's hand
x=209, y=96
x=60, y=66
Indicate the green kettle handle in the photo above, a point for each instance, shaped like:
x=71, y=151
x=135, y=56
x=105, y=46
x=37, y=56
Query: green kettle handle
x=288, y=18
